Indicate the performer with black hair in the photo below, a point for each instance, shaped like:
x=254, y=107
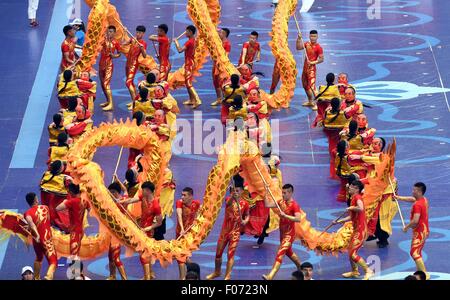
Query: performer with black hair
x=163, y=51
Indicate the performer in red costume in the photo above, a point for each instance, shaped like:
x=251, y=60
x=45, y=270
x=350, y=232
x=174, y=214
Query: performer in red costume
x=419, y=224
x=116, y=189
x=68, y=48
x=38, y=218
x=351, y=104
x=223, y=33
x=236, y=215
x=110, y=50
x=314, y=57
x=187, y=209
x=150, y=219
x=138, y=47
x=163, y=51
x=251, y=51
x=189, y=51
x=359, y=235
x=76, y=206
x=289, y=215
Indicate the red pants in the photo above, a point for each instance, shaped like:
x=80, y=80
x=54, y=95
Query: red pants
x=46, y=249
x=356, y=243
x=164, y=72
x=285, y=247
x=114, y=255
x=130, y=72
x=309, y=78
x=232, y=239
x=63, y=102
x=417, y=244
x=333, y=140
x=59, y=219
x=75, y=242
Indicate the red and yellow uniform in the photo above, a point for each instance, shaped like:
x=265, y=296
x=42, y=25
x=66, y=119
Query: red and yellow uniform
x=215, y=72
x=40, y=214
x=230, y=233
x=188, y=214
x=359, y=234
x=189, y=61
x=287, y=229
x=67, y=46
x=310, y=71
x=420, y=232
x=343, y=171
x=53, y=192
x=77, y=208
x=106, y=66
x=164, y=62
x=252, y=49
x=150, y=210
x=287, y=237
x=88, y=89
x=132, y=65
x=114, y=249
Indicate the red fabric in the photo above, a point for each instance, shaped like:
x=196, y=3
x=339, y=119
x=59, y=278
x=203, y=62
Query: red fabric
x=67, y=46
x=224, y=111
x=188, y=214
x=287, y=227
x=355, y=107
x=114, y=255
x=77, y=208
x=258, y=218
x=421, y=207
x=164, y=50
x=105, y=53
x=189, y=52
x=77, y=129
x=59, y=219
x=358, y=218
x=333, y=140
x=251, y=52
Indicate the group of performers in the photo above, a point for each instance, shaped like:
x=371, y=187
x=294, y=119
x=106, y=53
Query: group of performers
x=353, y=147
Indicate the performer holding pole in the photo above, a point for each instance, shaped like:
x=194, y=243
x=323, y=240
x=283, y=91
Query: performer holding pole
x=236, y=215
x=313, y=57
x=110, y=50
x=418, y=223
x=359, y=235
x=38, y=218
x=189, y=52
x=187, y=208
x=289, y=215
x=138, y=47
